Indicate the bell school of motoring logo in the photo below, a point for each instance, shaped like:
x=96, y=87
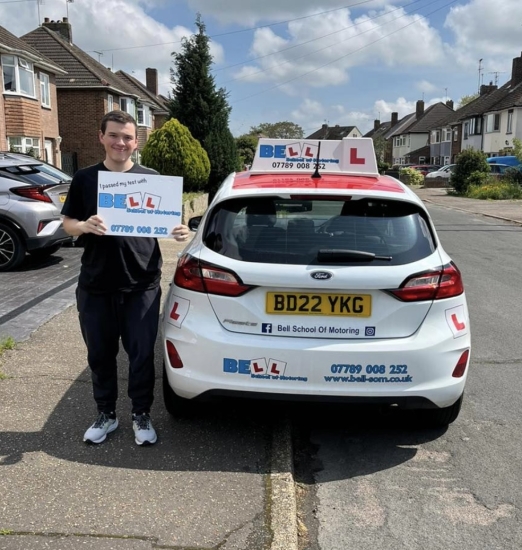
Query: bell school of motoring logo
x=320, y=330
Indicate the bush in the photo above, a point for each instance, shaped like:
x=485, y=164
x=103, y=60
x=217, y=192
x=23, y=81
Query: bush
x=513, y=175
x=495, y=190
x=172, y=151
x=477, y=178
x=468, y=162
x=411, y=176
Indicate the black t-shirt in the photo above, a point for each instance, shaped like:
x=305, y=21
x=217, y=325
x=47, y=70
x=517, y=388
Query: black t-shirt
x=111, y=263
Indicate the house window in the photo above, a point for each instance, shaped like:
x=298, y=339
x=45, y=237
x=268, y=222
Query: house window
x=45, y=90
x=447, y=134
x=144, y=116
x=493, y=123
x=30, y=146
x=455, y=134
x=127, y=104
x=466, y=130
x=110, y=103
x=509, y=129
x=18, y=76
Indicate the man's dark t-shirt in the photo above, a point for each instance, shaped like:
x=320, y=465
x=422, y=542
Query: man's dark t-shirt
x=111, y=263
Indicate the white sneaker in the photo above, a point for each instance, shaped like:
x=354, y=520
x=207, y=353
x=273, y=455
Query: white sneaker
x=103, y=425
x=143, y=430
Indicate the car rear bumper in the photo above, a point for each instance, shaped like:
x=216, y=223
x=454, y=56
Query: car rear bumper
x=414, y=371
x=53, y=233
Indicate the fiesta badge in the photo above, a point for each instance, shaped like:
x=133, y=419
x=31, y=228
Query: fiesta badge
x=321, y=275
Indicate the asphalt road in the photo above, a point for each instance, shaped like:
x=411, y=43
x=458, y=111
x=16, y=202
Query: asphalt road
x=368, y=482
x=364, y=478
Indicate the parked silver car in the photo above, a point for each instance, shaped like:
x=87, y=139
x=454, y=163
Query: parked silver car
x=31, y=196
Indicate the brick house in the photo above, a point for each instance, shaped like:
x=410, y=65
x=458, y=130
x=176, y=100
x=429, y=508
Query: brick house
x=87, y=92
x=411, y=136
x=28, y=102
x=152, y=112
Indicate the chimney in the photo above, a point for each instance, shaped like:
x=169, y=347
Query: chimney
x=420, y=109
x=61, y=27
x=485, y=89
x=152, y=80
x=394, y=119
x=516, y=72
x=449, y=104
x=376, y=124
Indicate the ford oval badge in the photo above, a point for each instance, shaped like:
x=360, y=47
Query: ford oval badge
x=321, y=275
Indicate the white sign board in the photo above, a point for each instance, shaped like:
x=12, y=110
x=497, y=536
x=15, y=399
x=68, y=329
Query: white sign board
x=139, y=205
x=350, y=156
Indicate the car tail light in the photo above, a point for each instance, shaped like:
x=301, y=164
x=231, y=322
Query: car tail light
x=432, y=285
x=34, y=192
x=460, y=367
x=174, y=358
x=200, y=276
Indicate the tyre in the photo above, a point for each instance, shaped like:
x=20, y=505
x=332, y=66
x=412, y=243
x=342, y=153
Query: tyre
x=440, y=418
x=176, y=406
x=12, y=248
x=43, y=253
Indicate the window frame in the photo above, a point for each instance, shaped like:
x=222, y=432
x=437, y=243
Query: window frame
x=45, y=90
x=16, y=64
x=25, y=145
x=509, y=128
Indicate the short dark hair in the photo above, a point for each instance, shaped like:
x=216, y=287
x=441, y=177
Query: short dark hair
x=121, y=117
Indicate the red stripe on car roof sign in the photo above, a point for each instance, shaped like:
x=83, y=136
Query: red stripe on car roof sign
x=245, y=180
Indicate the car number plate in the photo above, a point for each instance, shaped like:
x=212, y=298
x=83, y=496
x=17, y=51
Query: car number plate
x=62, y=197
x=291, y=303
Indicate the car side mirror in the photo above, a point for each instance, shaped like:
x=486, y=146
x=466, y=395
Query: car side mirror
x=194, y=222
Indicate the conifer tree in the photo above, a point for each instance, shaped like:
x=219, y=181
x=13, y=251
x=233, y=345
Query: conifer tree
x=201, y=107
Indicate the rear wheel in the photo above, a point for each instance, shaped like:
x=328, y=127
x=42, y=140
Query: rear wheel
x=175, y=405
x=12, y=248
x=440, y=418
x=42, y=253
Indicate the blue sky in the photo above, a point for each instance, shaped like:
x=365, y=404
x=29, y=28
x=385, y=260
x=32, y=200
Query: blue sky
x=311, y=62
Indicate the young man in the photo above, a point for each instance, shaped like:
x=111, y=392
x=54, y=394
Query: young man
x=118, y=294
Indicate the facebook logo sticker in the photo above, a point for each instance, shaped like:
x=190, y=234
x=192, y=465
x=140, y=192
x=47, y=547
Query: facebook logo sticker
x=266, y=328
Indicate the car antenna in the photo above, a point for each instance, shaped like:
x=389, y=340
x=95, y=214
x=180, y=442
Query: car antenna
x=316, y=173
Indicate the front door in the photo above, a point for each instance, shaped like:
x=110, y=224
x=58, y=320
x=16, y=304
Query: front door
x=49, y=151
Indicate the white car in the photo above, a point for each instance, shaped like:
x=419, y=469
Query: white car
x=311, y=276
x=444, y=172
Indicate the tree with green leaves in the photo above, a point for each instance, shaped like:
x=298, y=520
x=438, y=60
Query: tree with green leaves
x=517, y=148
x=278, y=130
x=246, y=148
x=172, y=151
x=200, y=106
x=469, y=162
x=465, y=99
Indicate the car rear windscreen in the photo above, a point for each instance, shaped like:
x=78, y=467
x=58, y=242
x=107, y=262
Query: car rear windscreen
x=300, y=230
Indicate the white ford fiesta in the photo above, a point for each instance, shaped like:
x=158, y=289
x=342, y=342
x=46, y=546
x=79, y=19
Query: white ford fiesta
x=311, y=276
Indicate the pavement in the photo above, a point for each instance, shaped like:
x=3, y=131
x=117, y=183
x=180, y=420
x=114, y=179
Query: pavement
x=507, y=210
x=221, y=480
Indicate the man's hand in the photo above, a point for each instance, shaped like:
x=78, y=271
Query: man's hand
x=180, y=232
x=76, y=228
x=93, y=225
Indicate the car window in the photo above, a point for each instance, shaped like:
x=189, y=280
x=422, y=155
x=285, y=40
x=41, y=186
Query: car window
x=279, y=230
x=29, y=174
x=55, y=172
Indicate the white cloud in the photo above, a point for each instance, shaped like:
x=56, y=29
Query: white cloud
x=250, y=13
x=121, y=27
x=425, y=86
x=321, y=52
x=487, y=30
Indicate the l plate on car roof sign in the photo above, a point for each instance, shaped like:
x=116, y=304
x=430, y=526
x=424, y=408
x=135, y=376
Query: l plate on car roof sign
x=350, y=156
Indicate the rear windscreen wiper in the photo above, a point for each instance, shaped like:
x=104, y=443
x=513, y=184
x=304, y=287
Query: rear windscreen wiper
x=327, y=255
